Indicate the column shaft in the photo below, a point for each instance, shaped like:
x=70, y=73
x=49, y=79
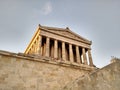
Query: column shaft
x=35, y=47
x=39, y=45
x=52, y=51
x=63, y=51
x=90, y=58
x=84, y=56
x=47, y=47
x=55, y=49
x=44, y=49
x=71, y=53
x=77, y=54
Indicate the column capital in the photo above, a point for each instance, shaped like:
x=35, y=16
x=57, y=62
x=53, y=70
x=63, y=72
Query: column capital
x=89, y=49
x=63, y=41
x=55, y=39
x=47, y=36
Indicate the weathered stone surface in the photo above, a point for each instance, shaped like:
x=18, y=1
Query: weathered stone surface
x=19, y=72
x=22, y=72
x=107, y=78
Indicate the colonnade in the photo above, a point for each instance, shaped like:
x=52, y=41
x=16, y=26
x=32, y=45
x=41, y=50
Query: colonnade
x=64, y=51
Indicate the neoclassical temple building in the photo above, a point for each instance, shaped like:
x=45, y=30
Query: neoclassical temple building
x=56, y=59
x=60, y=44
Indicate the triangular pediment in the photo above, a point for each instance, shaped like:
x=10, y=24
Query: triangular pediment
x=66, y=33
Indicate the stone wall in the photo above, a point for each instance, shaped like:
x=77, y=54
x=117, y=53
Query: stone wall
x=107, y=78
x=20, y=72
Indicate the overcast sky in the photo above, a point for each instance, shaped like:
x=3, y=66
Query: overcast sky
x=96, y=20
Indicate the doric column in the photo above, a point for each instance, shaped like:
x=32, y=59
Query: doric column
x=39, y=44
x=63, y=51
x=44, y=49
x=71, y=53
x=32, y=49
x=55, y=49
x=59, y=52
x=52, y=51
x=47, y=47
x=90, y=57
x=35, y=47
x=84, y=56
x=77, y=54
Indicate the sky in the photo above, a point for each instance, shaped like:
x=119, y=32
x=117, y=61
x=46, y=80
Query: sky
x=96, y=20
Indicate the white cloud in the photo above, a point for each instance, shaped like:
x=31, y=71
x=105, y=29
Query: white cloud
x=47, y=8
